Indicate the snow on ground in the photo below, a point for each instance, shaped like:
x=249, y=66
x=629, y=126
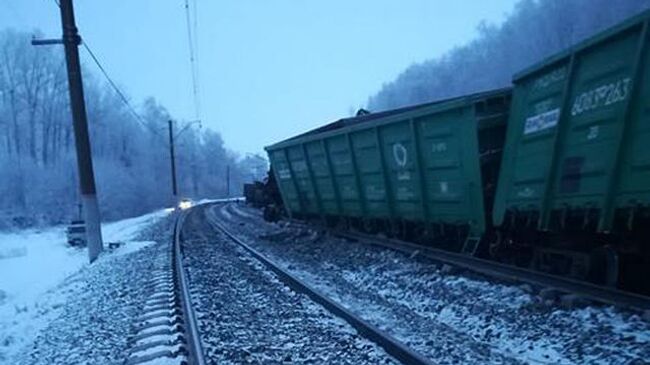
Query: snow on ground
x=248, y=316
x=449, y=316
x=97, y=324
x=223, y=200
x=126, y=231
x=34, y=263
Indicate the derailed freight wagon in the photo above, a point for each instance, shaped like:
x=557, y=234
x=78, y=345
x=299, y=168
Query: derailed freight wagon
x=573, y=169
x=426, y=172
x=575, y=175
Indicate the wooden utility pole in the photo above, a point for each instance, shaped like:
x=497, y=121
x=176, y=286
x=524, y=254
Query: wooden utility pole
x=227, y=181
x=71, y=41
x=173, y=162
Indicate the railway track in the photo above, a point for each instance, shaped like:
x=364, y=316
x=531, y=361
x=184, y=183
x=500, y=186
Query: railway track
x=438, y=309
x=596, y=293
x=392, y=346
x=196, y=351
x=168, y=328
x=167, y=331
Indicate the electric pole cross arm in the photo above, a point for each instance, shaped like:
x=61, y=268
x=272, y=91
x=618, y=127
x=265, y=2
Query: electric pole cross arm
x=46, y=42
x=71, y=41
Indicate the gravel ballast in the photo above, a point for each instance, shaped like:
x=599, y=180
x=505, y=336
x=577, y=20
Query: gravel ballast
x=246, y=315
x=445, y=314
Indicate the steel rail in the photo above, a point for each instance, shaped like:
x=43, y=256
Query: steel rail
x=391, y=345
x=196, y=354
x=597, y=293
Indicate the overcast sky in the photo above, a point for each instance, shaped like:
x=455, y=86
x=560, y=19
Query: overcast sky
x=268, y=69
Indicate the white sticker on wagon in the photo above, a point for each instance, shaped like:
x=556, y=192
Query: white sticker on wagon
x=542, y=121
x=400, y=154
x=444, y=187
x=284, y=174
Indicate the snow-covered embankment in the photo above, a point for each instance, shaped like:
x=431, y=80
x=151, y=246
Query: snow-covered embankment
x=34, y=265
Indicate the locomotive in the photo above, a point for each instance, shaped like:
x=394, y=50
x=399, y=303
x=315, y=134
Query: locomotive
x=265, y=195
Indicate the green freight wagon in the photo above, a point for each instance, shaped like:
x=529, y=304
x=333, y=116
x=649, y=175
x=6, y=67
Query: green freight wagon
x=426, y=170
x=577, y=153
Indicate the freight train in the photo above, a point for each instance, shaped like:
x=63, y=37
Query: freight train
x=552, y=174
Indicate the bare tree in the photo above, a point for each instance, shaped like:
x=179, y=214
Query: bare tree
x=37, y=157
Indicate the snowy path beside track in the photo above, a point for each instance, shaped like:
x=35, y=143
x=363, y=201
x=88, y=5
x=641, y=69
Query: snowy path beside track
x=246, y=315
x=64, y=311
x=445, y=316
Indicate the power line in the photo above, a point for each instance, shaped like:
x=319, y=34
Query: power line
x=193, y=60
x=196, y=45
x=193, y=72
x=119, y=92
x=126, y=102
x=196, y=54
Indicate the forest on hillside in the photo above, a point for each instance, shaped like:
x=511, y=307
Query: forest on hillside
x=533, y=31
x=130, y=152
x=38, y=183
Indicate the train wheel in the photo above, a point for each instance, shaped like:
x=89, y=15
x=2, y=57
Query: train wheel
x=396, y=229
x=422, y=234
x=370, y=226
x=604, y=266
x=494, y=242
x=271, y=213
x=341, y=224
